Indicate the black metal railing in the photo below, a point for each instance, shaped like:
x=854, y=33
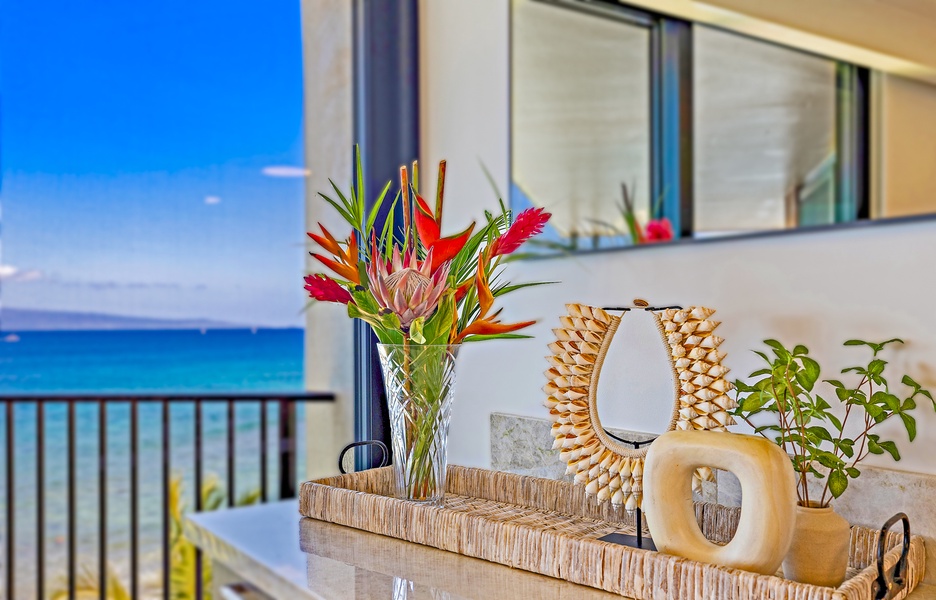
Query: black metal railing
x=160, y=419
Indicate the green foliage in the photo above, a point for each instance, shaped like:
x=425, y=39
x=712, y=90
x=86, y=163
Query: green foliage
x=804, y=424
x=87, y=587
x=437, y=329
x=353, y=209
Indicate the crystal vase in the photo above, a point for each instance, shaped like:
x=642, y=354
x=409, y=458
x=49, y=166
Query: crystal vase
x=419, y=380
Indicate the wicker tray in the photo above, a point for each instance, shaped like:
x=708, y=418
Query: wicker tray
x=549, y=527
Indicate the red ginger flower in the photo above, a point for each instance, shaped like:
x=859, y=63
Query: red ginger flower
x=345, y=262
x=659, y=230
x=325, y=289
x=527, y=224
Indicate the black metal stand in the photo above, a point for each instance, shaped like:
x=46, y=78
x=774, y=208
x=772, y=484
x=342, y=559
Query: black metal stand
x=633, y=541
x=641, y=541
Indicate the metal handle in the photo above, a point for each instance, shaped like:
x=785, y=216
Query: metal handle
x=891, y=582
x=384, y=458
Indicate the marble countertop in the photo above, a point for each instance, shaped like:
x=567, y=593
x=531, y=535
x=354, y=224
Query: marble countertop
x=287, y=556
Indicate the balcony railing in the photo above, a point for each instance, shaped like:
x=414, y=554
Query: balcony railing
x=86, y=445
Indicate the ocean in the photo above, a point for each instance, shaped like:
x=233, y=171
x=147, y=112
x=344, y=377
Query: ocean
x=138, y=362
x=218, y=360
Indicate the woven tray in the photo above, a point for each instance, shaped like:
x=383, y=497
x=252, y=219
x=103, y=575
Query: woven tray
x=550, y=527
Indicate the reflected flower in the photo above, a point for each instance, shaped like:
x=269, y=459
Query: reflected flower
x=658, y=230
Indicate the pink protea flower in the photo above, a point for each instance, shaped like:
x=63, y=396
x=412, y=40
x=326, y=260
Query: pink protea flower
x=527, y=224
x=407, y=286
x=659, y=230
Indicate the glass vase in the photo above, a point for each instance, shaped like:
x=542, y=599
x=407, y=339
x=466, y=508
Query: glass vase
x=419, y=380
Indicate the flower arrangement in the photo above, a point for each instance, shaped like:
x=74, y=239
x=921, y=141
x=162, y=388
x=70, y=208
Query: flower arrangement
x=414, y=285
x=820, y=443
x=423, y=294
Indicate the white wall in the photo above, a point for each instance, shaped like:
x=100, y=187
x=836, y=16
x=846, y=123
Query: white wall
x=818, y=289
x=327, y=41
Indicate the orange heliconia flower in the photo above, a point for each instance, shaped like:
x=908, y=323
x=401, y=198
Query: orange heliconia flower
x=484, y=324
x=345, y=261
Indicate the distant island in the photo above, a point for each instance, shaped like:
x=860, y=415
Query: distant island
x=26, y=319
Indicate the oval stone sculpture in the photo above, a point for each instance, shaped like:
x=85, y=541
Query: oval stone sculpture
x=768, y=498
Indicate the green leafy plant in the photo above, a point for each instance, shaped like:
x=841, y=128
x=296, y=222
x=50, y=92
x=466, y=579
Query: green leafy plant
x=822, y=444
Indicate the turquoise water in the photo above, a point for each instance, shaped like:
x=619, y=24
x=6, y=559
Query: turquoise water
x=219, y=360
x=138, y=362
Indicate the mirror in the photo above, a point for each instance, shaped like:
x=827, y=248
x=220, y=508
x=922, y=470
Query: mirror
x=765, y=136
x=580, y=123
x=634, y=128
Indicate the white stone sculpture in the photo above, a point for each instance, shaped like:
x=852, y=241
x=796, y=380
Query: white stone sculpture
x=768, y=498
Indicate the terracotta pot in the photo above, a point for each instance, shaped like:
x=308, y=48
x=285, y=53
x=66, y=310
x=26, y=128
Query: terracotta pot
x=819, y=553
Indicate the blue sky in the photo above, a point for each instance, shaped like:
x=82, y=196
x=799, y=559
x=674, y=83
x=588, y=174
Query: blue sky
x=132, y=142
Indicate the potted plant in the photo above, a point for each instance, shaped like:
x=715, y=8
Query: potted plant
x=782, y=402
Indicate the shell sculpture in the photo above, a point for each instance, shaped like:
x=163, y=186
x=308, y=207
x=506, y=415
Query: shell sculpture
x=607, y=469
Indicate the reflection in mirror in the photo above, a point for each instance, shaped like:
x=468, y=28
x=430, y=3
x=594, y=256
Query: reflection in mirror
x=765, y=136
x=720, y=133
x=580, y=122
x=635, y=395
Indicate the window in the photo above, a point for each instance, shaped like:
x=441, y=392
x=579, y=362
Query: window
x=153, y=243
x=143, y=161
